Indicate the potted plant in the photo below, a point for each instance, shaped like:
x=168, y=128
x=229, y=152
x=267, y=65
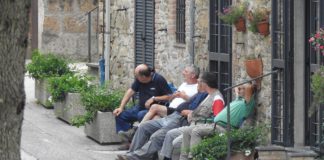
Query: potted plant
x=259, y=21
x=253, y=65
x=243, y=143
x=41, y=67
x=98, y=119
x=65, y=92
x=317, y=41
x=235, y=14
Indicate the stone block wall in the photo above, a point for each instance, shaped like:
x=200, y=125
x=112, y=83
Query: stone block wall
x=201, y=34
x=64, y=29
x=248, y=43
x=171, y=57
x=122, y=43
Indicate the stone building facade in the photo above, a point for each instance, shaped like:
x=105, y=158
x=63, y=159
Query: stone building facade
x=63, y=28
x=171, y=57
x=286, y=95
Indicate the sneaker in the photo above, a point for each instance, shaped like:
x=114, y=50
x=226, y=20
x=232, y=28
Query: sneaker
x=127, y=136
x=121, y=157
x=124, y=146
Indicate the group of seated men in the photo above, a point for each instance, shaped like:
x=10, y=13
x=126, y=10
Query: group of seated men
x=175, y=129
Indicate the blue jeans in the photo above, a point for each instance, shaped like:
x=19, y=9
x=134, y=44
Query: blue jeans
x=125, y=119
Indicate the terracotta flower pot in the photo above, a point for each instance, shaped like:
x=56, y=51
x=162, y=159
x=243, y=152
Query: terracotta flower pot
x=240, y=25
x=263, y=28
x=254, y=67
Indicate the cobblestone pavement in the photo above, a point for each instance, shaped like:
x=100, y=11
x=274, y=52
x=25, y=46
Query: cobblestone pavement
x=44, y=137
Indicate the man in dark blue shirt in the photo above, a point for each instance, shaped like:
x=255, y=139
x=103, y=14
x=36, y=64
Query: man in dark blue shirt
x=151, y=87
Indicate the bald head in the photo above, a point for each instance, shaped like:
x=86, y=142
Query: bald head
x=143, y=73
x=143, y=70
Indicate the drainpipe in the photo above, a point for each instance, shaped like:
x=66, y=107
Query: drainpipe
x=107, y=39
x=192, y=31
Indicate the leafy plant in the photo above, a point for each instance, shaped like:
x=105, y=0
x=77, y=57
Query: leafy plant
x=317, y=87
x=46, y=65
x=215, y=146
x=231, y=14
x=97, y=99
x=250, y=56
x=257, y=16
x=60, y=86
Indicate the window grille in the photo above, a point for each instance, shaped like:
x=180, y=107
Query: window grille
x=180, y=21
x=220, y=45
x=282, y=60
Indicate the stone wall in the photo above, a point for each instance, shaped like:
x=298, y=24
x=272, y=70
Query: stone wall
x=122, y=43
x=171, y=57
x=201, y=34
x=64, y=30
x=248, y=43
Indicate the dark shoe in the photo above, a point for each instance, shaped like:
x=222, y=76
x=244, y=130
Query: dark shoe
x=121, y=157
x=128, y=135
x=166, y=158
x=124, y=147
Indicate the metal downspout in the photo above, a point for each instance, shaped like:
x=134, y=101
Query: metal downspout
x=107, y=39
x=192, y=31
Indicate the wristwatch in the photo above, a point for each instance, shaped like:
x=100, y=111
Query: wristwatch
x=153, y=97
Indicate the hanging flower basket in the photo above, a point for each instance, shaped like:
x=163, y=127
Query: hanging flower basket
x=263, y=28
x=240, y=25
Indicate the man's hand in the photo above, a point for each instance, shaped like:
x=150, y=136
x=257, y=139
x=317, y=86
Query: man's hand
x=185, y=112
x=149, y=102
x=117, y=111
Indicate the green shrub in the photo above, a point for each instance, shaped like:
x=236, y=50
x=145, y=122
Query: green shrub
x=60, y=86
x=46, y=65
x=317, y=87
x=97, y=99
x=215, y=146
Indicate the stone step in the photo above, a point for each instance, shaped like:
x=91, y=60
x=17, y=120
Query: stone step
x=93, y=69
x=274, y=152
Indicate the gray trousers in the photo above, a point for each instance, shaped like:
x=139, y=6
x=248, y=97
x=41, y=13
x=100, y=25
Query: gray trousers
x=169, y=144
x=149, y=136
x=193, y=135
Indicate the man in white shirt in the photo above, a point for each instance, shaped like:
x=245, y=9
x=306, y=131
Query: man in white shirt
x=186, y=90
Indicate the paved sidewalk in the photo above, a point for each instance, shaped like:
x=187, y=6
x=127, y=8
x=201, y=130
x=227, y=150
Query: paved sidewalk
x=44, y=137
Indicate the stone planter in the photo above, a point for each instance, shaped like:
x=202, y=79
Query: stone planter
x=69, y=108
x=103, y=128
x=42, y=94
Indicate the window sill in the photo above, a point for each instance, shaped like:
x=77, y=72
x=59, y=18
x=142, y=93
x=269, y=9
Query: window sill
x=180, y=45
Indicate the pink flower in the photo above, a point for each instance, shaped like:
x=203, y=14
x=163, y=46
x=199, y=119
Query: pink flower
x=311, y=39
x=226, y=10
x=321, y=47
x=317, y=35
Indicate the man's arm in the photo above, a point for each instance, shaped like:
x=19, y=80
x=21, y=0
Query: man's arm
x=128, y=94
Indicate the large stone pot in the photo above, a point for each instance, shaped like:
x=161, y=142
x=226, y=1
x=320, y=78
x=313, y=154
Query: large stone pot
x=42, y=94
x=103, y=128
x=70, y=107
